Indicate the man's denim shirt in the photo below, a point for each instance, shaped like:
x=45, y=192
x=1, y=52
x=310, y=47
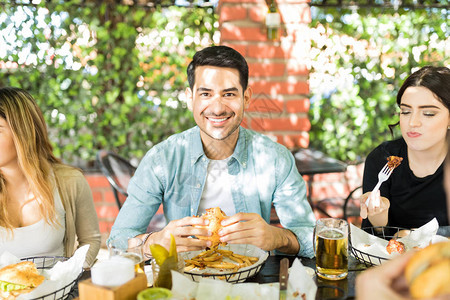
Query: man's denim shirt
x=174, y=173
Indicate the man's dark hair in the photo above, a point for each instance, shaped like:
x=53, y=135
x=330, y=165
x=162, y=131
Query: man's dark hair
x=219, y=56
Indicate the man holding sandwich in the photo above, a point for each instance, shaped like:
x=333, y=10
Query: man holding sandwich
x=218, y=163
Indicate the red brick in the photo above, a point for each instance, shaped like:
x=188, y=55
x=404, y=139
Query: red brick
x=232, y=13
x=257, y=13
x=108, y=196
x=330, y=177
x=242, y=1
x=245, y=122
x=294, y=141
x=105, y=226
x=235, y=33
x=270, y=69
x=297, y=69
x=297, y=106
x=107, y=211
x=294, y=13
x=266, y=105
x=98, y=196
x=260, y=51
x=96, y=180
x=293, y=1
x=280, y=124
x=242, y=49
x=280, y=87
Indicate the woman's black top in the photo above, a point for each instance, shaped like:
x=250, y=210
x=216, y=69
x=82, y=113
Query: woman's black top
x=414, y=201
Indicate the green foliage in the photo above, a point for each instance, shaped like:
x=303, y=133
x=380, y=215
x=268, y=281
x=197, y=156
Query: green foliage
x=365, y=56
x=105, y=76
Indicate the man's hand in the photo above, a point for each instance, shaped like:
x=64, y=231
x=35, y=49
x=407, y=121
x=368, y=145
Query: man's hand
x=378, y=215
x=251, y=228
x=182, y=230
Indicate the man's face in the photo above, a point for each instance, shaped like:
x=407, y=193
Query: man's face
x=218, y=102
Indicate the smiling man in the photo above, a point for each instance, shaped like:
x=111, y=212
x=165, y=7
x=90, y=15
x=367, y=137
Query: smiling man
x=219, y=164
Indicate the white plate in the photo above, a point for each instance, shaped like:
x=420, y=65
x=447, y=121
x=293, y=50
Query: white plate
x=238, y=276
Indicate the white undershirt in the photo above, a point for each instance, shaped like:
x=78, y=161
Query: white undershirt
x=217, y=191
x=38, y=239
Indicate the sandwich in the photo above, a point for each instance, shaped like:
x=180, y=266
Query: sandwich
x=215, y=215
x=19, y=279
x=428, y=271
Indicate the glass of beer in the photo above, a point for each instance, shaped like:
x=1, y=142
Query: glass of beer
x=331, y=248
x=131, y=248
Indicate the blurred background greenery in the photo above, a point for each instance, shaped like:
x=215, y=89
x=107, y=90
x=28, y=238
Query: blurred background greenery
x=106, y=76
x=111, y=76
x=359, y=59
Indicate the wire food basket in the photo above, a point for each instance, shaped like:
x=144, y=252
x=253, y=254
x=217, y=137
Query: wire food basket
x=233, y=277
x=384, y=232
x=47, y=262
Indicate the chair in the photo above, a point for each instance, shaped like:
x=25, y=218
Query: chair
x=118, y=171
x=351, y=206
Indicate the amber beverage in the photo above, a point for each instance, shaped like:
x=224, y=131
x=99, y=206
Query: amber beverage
x=131, y=248
x=331, y=247
x=138, y=261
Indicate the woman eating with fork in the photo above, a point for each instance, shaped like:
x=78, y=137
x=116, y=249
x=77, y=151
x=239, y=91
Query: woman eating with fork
x=413, y=194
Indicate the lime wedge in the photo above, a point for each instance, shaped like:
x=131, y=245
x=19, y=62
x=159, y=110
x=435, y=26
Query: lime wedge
x=154, y=293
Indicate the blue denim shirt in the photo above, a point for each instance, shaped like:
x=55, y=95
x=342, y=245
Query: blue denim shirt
x=174, y=171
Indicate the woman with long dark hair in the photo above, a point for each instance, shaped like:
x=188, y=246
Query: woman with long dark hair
x=414, y=193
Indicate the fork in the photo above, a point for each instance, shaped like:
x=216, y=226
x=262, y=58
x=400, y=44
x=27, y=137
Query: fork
x=383, y=175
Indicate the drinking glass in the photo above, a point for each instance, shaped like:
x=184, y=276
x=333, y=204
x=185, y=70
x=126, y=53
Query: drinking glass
x=131, y=248
x=331, y=248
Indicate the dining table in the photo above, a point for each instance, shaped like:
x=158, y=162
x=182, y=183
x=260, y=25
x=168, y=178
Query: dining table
x=326, y=289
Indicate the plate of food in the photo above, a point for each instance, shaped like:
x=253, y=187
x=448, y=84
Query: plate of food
x=232, y=263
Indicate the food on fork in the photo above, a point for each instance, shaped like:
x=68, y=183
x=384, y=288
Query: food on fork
x=428, y=271
x=395, y=246
x=20, y=278
x=215, y=215
x=394, y=161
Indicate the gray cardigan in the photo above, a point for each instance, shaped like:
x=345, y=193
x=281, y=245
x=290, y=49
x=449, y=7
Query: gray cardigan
x=81, y=218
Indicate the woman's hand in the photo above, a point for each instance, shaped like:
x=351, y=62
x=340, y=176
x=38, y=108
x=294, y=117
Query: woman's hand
x=378, y=214
x=251, y=228
x=183, y=230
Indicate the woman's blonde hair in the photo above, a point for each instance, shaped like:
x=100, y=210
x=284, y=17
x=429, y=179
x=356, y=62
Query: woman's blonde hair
x=34, y=151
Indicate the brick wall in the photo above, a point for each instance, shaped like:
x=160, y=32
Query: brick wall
x=278, y=71
x=104, y=201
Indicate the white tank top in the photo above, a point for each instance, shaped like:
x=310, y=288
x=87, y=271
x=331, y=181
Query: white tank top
x=217, y=191
x=38, y=239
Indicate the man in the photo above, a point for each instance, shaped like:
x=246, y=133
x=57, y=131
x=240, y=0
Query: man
x=219, y=163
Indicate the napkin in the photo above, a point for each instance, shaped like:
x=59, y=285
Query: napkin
x=372, y=245
x=300, y=283
x=62, y=274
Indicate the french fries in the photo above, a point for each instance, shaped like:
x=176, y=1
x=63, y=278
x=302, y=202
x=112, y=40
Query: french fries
x=214, y=258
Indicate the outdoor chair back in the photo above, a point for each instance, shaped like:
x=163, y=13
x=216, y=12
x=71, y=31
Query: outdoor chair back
x=118, y=171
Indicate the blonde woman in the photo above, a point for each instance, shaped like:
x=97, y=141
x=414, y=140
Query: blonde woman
x=46, y=207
